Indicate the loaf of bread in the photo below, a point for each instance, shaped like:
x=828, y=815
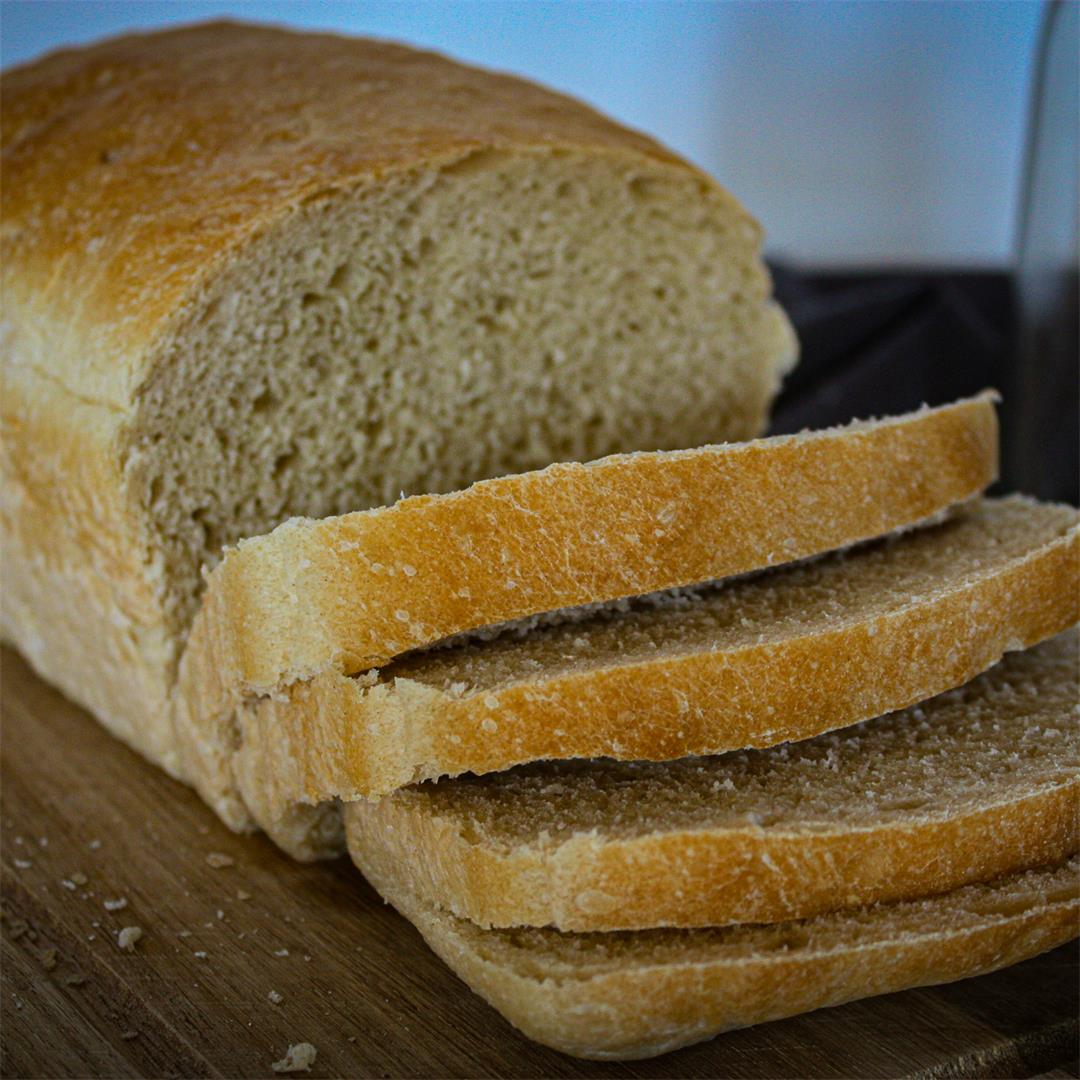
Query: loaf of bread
x=289, y=618
x=978, y=782
x=639, y=993
x=778, y=656
x=250, y=274
x=285, y=291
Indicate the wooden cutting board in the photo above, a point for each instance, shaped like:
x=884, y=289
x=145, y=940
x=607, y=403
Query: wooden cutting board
x=85, y=820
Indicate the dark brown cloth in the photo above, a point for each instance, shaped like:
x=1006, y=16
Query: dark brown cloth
x=880, y=343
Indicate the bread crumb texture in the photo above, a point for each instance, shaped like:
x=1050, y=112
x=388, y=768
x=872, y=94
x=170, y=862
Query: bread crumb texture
x=129, y=937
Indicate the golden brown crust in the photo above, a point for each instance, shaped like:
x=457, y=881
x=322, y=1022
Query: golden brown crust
x=367, y=587
x=336, y=737
x=647, y=1004
x=642, y=1014
x=69, y=539
x=724, y=877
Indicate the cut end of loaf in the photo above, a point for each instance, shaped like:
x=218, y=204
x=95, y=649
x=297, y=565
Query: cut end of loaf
x=452, y=324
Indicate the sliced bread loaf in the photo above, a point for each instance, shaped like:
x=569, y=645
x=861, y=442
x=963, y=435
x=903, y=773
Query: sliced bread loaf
x=251, y=273
x=978, y=782
x=640, y=993
x=341, y=596
x=779, y=656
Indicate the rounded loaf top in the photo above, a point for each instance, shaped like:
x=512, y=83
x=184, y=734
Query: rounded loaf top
x=149, y=157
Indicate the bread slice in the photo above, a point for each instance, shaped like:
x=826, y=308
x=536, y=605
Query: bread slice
x=978, y=782
x=314, y=602
x=639, y=993
x=780, y=656
x=250, y=273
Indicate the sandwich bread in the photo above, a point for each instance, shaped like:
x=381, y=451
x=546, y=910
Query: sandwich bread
x=978, y=782
x=774, y=657
x=288, y=619
x=640, y=993
x=294, y=325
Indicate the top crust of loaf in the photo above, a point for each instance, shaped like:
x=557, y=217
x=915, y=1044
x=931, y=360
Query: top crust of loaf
x=154, y=157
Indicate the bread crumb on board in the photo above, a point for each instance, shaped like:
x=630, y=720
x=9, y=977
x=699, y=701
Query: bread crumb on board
x=275, y=997
x=115, y=905
x=128, y=937
x=298, y=1058
x=218, y=861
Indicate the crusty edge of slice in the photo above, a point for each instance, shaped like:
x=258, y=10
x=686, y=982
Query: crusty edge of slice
x=640, y=1009
x=338, y=738
x=714, y=877
x=350, y=593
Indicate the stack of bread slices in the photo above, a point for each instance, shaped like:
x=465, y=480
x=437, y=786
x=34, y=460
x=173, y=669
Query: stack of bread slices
x=701, y=733
x=673, y=743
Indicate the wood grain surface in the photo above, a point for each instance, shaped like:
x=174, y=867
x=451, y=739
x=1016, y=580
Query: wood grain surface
x=84, y=821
